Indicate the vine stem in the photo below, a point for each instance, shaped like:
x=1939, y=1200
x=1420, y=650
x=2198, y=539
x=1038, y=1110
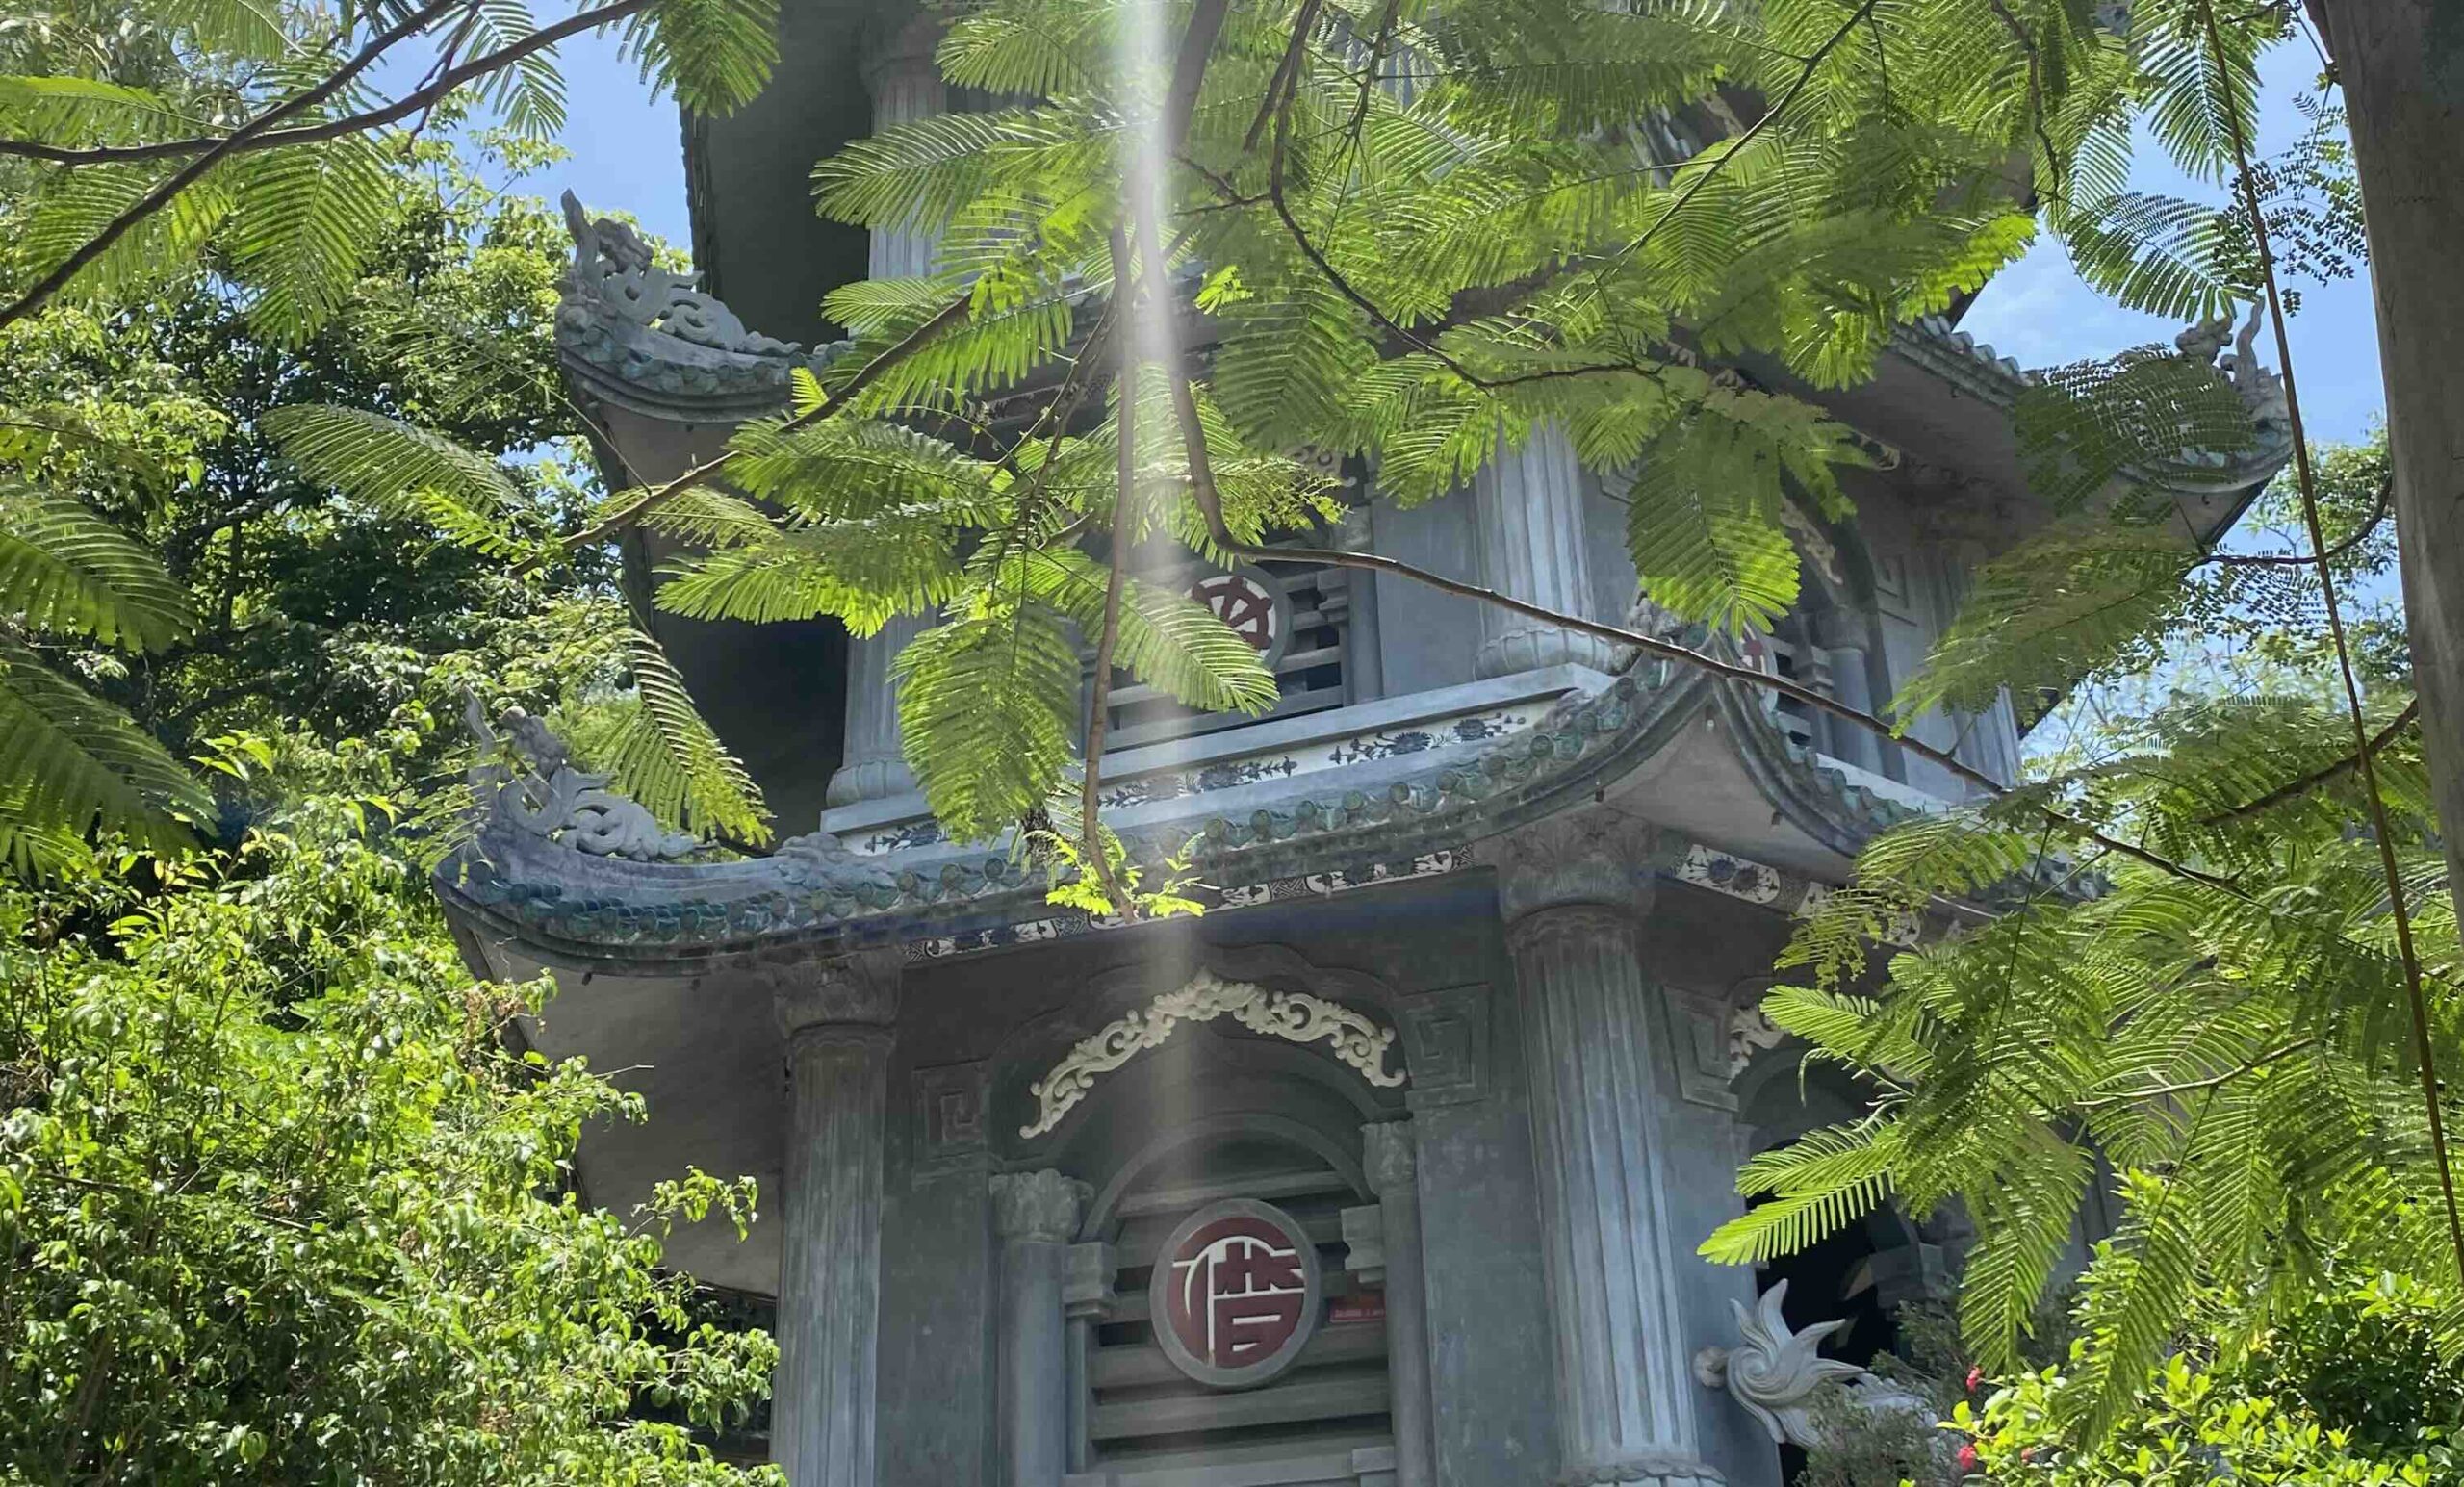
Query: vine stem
x=2305, y=480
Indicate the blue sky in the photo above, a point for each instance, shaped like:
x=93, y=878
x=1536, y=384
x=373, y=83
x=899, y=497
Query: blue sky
x=626, y=156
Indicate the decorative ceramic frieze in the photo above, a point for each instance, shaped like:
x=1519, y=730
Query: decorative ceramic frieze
x=1121, y=793
x=813, y=890
x=1296, y=1016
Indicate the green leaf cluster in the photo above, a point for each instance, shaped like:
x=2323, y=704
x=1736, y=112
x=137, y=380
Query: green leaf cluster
x=281, y=1197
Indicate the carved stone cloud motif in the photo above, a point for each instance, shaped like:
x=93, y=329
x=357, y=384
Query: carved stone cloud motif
x=1295, y=1017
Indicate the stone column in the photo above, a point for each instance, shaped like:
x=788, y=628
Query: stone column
x=837, y=1018
x=906, y=86
x=872, y=766
x=1846, y=638
x=1034, y=1213
x=1388, y=1152
x=1573, y=889
x=1527, y=504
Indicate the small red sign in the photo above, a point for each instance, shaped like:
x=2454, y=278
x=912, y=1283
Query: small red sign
x=1359, y=1306
x=1237, y=1292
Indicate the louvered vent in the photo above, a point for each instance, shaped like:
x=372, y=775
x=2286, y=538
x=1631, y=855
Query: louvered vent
x=1320, y=1421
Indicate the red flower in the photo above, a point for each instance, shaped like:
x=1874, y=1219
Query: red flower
x=1975, y=1376
x=1967, y=1455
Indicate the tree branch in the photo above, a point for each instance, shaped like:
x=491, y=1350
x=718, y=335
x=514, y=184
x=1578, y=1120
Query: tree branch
x=2424, y=1050
x=188, y=175
x=2377, y=514
x=625, y=516
x=2319, y=777
x=429, y=93
x=1095, y=860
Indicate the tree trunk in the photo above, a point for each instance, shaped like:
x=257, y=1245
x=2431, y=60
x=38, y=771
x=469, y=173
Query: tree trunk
x=2401, y=64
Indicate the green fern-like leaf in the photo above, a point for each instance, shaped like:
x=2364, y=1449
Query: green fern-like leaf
x=386, y=463
x=1816, y=1186
x=988, y=706
x=666, y=756
x=715, y=56
x=306, y=219
x=80, y=763
x=68, y=571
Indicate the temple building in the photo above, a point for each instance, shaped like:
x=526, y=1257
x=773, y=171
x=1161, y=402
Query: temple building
x=1390, y=1168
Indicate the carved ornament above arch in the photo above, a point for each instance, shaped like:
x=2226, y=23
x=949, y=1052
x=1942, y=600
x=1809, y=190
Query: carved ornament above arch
x=1295, y=1017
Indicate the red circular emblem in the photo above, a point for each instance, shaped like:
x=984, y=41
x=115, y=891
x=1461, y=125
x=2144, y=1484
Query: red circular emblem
x=1235, y=1294
x=1243, y=603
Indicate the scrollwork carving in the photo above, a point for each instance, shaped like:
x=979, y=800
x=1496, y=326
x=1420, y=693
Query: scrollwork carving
x=1296, y=1016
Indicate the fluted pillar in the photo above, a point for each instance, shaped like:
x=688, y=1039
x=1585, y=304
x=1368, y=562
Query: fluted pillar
x=1528, y=506
x=1036, y=1214
x=872, y=766
x=1387, y=1151
x=906, y=86
x=838, y=1020
x=1573, y=889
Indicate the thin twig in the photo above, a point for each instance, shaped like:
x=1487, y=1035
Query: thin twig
x=2194, y=1085
x=1813, y=64
x=188, y=175
x=2377, y=515
x=873, y=371
x=2425, y=1051
x=308, y=134
x=2319, y=777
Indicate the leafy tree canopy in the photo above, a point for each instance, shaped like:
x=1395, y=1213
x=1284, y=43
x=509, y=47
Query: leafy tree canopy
x=280, y=1201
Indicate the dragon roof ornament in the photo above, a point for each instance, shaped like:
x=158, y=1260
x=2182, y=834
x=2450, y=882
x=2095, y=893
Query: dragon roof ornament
x=526, y=782
x=648, y=338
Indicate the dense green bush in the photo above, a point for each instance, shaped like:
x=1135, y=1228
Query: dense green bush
x=280, y=1198
x=2345, y=1386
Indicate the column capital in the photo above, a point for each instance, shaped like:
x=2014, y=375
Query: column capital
x=1041, y=1205
x=860, y=990
x=1087, y=1284
x=1388, y=1153
x=899, y=50
x=1840, y=628
x=1597, y=857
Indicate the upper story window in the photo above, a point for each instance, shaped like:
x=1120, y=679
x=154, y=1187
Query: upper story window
x=1302, y=623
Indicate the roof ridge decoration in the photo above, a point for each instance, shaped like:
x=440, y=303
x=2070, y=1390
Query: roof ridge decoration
x=1777, y=1374
x=535, y=887
x=648, y=339
x=1295, y=1017
x=525, y=780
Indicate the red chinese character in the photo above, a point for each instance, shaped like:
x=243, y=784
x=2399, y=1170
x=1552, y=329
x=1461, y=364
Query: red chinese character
x=1237, y=1292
